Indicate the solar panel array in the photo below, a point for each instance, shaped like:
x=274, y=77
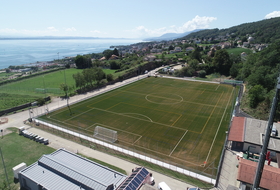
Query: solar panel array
x=135, y=180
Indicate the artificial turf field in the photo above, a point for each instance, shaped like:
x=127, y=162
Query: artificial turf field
x=174, y=120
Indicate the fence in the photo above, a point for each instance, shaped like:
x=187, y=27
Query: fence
x=226, y=140
x=91, y=142
x=21, y=107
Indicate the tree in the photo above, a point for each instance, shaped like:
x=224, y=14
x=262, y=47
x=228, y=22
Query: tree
x=115, y=52
x=114, y=65
x=256, y=95
x=83, y=62
x=79, y=80
x=222, y=62
x=64, y=87
x=107, y=53
x=109, y=77
x=89, y=75
x=8, y=70
x=234, y=70
x=202, y=74
x=99, y=75
x=171, y=48
x=67, y=66
x=196, y=54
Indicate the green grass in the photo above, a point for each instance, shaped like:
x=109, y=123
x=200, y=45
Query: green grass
x=172, y=120
x=109, y=71
x=17, y=149
x=238, y=51
x=28, y=90
x=50, y=80
x=4, y=74
x=12, y=100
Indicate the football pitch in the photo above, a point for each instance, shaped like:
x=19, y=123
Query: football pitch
x=173, y=120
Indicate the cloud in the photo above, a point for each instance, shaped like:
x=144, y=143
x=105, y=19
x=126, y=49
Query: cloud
x=196, y=23
x=53, y=29
x=9, y=31
x=272, y=14
x=95, y=31
x=72, y=29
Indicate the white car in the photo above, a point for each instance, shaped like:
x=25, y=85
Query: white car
x=163, y=186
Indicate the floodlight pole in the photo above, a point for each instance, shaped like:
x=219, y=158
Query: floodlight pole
x=261, y=162
x=67, y=99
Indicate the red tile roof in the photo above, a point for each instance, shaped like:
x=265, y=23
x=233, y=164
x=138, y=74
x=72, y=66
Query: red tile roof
x=270, y=177
x=237, y=129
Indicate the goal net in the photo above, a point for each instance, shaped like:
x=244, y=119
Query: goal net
x=105, y=134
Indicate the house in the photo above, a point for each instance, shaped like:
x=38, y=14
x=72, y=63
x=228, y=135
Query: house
x=248, y=133
x=247, y=171
x=243, y=54
x=246, y=44
x=189, y=49
x=65, y=170
x=150, y=58
x=177, y=49
x=113, y=57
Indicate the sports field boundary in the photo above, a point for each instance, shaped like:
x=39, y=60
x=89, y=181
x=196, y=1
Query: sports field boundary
x=130, y=153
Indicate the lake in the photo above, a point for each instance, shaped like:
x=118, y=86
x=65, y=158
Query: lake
x=25, y=51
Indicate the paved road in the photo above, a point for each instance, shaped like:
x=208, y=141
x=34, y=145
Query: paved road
x=16, y=120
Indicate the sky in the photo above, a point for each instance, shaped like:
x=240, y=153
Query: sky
x=127, y=18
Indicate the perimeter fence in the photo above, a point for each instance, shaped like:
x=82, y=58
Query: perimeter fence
x=145, y=158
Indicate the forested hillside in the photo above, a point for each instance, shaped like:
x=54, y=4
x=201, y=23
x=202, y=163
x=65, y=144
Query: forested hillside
x=264, y=31
x=260, y=72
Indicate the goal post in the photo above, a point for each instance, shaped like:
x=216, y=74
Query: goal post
x=105, y=134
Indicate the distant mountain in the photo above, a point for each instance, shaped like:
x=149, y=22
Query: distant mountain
x=264, y=31
x=170, y=36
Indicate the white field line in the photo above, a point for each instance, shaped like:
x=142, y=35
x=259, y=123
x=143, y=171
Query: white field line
x=137, y=140
x=217, y=87
x=218, y=128
x=139, y=114
x=178, y=143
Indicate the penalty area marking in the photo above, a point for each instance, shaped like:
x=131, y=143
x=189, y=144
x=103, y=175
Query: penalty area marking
x=139, y=114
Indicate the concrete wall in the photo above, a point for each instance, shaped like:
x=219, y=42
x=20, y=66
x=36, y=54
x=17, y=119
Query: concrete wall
x=27, y=183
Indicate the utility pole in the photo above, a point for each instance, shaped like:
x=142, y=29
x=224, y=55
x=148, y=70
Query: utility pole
x=261, y=162
x=5, y=169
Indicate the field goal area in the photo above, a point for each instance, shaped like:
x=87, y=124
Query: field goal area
x=105, y=134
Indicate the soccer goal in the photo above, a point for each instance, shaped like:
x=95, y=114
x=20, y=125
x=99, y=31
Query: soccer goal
x=105, y=134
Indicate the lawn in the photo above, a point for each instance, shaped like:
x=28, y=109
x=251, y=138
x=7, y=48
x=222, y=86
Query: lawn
x=28, y=90
x=17, y=149
x=173, y=120
x=238, y=51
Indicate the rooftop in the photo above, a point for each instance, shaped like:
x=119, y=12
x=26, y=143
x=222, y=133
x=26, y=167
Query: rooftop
x=66, y=169
x=270, y=176
x=252, y=131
